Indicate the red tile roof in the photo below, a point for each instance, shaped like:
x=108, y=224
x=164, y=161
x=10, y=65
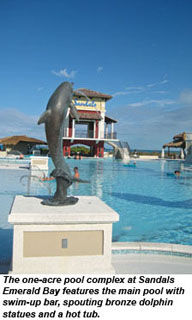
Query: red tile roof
x=88, y=115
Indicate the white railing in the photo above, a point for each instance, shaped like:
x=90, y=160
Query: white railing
x=90, y=134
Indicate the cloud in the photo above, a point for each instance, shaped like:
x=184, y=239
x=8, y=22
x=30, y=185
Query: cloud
x=65, y=74
x=14, y=122
x=155, y=84
x=151, y=85
x=129, y=91
x=40, y=89
x=137, y=88
x=99, y=69
x=121, y=93
x=186, y=97
x=161, y=102
x=150, y=128
x=163, y=81
x=160, y=91
x=138, y=104
x=148, y=88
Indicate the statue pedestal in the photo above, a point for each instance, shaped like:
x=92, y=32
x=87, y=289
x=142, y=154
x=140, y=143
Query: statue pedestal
x=71, y=239
x=39, y=166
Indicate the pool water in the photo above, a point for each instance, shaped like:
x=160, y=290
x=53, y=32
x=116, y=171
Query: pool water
x=153, y=206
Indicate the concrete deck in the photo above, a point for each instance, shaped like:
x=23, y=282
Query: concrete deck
x=141, y=264
x=151, y=264
x=150, y=258
x=14, y=164
x=14, y=167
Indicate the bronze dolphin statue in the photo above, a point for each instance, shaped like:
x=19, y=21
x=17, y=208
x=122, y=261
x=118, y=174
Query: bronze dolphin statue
x=54, y=116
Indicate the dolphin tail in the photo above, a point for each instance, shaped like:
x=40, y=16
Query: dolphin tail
x=61, y=173
x=43, y=118
x=80, y=180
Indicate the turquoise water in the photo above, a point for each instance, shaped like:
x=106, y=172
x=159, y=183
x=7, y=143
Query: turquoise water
x=153, y=207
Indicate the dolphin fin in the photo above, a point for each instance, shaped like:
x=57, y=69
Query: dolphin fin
x=45, y=115
x=74, y=111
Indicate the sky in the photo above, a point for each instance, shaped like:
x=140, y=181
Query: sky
x=138, y=51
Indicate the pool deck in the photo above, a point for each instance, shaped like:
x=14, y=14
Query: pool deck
x=151, y=264
x=14, y=164
x=151, y=258
x=142, y=264
x=14, y=167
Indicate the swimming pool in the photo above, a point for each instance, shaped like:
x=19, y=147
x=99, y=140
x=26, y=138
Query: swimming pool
x=153, y=206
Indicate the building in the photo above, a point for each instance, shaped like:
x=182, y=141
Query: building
x=179, y=141
x=94, y=127
x=21, y=144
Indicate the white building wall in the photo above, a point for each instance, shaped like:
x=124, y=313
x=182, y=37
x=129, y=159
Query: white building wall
x=100, y=107
x=66, y=126
x=102, y=125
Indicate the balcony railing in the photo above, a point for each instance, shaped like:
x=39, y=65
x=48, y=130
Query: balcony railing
x=90, y=134
x=84, y=134
x=110, y=135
